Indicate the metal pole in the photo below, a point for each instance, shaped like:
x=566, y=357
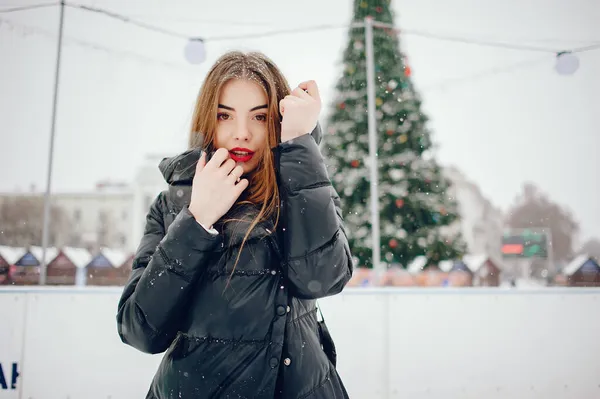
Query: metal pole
x=550, y=255
x=372, y=143
x=47, y=196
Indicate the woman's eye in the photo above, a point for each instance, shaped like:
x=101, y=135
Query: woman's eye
x=222, y=117
x=261, y=117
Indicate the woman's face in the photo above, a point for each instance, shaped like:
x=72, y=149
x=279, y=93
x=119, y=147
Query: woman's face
x=242, y=122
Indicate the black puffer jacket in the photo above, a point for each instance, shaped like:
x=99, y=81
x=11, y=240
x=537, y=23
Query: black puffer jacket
x=256, y=338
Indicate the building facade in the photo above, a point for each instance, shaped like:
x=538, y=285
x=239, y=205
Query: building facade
x=111, y=216
x=114, y=214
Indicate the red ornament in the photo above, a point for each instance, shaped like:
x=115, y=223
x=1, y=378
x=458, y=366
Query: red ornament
x=390, y=132
x=399, y=203
x=443, y=211
x=393, y=243
x=342, y=105
x=407, y=71
x=378, y=9
x=355, y=163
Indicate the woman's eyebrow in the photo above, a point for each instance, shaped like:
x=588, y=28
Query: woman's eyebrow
x=253, y=109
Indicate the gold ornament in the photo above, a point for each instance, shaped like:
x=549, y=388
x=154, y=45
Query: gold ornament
x=379, y=102
x=403, y=138
x=364, y=4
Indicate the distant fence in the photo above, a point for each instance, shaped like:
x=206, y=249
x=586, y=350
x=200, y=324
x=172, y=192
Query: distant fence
x=61, y=342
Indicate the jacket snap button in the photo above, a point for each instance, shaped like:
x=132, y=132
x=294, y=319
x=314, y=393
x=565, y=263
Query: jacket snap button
x=287, y=361
x=288, y=309
x=280, y=310
x=273, y=362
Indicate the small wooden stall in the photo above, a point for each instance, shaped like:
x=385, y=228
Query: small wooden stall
x=485, y=270
x=110, y=267
x=8, y=257
x=458, y=273
x=426, y=274
x=362, y=277
x=583, y=271
x=68, y=267
x=27, y=269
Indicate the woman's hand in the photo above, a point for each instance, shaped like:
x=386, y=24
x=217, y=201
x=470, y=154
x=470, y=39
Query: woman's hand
x=300, y=110
x=215, y=188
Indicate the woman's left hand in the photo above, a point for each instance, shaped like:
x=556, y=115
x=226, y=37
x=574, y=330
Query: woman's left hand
x=300, y=110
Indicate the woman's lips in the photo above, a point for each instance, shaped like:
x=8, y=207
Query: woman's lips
x=241, y=156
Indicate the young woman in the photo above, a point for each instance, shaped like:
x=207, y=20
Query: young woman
x=236, y=251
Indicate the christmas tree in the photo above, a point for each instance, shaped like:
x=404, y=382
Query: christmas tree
x=417, y=216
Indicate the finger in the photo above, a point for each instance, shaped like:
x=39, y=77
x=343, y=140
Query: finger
x=227, y=167
x=290, y=98
x=311, y=87
x=236, y=174
x=201, y=162
x=301, y=93
x=240, y=187
x=220, y=156
x=287, y=102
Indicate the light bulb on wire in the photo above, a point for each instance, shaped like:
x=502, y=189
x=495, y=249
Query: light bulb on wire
x=567, y=63
x=195, y=51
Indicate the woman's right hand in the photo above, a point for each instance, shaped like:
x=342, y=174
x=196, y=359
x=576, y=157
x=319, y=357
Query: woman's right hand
x=216, y=187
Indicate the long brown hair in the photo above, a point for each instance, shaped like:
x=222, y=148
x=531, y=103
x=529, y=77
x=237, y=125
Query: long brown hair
x=254, y=66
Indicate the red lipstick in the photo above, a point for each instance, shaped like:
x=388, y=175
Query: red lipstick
x=239, y=154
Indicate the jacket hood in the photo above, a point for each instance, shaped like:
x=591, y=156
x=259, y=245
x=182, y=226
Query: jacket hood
x=180, y=169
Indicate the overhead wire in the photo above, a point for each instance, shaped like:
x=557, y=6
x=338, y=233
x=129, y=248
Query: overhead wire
x=316, y=28
x=126, y=19
x=28, y=29
x=26, y=8
x=313, y=28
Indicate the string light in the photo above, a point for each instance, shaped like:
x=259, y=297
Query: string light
x=195, y=51
x=567, y=63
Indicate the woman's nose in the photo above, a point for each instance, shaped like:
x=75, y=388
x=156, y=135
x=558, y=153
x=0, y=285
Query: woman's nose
x=241, y=131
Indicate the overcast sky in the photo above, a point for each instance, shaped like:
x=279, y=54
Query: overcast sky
x=126, y=92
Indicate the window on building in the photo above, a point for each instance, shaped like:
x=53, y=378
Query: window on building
x=102, y=228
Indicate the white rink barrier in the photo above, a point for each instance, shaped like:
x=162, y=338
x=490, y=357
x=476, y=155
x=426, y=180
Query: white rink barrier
x=59, y=343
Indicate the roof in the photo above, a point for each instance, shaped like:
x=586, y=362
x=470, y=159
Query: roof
x=461, y=266
x=116, y=257
x=576, y=264
x=446, y=265
x=11, y=255
x=417, y=264
x=473, y=261
x=476, y=261
x=51, y=253
x=79, y=256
